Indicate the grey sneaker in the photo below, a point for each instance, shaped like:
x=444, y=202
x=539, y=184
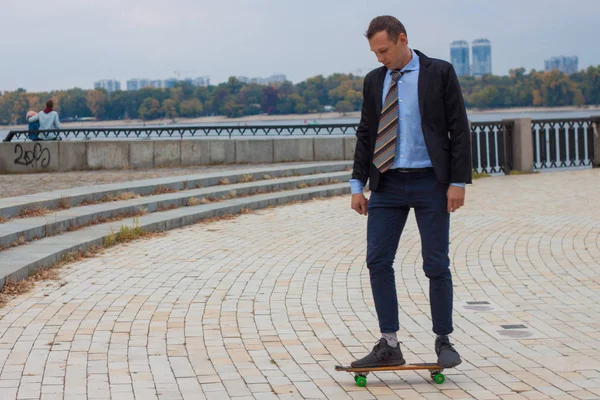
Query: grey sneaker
x=382, y=355
x=448, y=357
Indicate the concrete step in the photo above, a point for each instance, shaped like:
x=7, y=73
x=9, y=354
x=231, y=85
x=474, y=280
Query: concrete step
x=19, y=262
x=12, y=206
x=28, y=229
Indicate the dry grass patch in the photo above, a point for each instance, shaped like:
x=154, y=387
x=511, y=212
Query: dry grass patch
x=114, y=197
x=328, y=182
x=127, y=234
x=164, y=207
x=20, y=241
x=246, y=178
x=478, y=175
x=33, y=212
x=163, y=190
x=102, y=220
x=64, y=204
x=517, y=172
x=194, y=201
x=224, y=217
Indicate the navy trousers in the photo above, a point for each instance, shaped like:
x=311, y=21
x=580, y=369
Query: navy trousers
x=388, y=210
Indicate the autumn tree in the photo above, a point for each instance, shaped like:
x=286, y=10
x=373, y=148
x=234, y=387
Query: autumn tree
x=96, y=102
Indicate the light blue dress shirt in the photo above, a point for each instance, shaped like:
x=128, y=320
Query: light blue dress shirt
x=411, y=151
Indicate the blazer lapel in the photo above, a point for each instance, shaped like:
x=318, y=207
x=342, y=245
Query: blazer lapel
x=379, y=79
x=424, y=79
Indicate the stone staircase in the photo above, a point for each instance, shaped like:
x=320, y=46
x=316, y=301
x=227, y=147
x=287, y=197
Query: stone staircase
x=37, y=231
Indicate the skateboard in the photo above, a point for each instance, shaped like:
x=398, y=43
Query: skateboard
x=360, y=374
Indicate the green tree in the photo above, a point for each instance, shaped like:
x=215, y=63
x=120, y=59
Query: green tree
x=150, y=109
x=344, y=106
x=96, y=102
x=169, y=109
x=269, y=99
x=73, y=103
x=231, y=108
x=190, y=108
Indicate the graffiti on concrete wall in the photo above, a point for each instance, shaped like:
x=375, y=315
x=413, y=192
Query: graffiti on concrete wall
x=39, y=157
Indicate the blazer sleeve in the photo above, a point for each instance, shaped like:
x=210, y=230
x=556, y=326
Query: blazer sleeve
x=458, y=127
x=362, y=156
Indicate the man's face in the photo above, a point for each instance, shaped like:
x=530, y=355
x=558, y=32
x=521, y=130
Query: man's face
x=389, y=53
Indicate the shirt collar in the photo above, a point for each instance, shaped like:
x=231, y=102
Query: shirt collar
x=413, y=65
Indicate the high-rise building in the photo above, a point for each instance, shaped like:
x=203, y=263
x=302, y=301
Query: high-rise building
x=459, y=57
x=482, y=57
x=169, y=83
x=278, y=78
x=137, y=84
x=568, y=65
x=201, y=81
x=110, y=85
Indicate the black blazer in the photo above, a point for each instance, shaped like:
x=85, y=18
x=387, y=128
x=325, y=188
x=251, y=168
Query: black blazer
x=443, y=120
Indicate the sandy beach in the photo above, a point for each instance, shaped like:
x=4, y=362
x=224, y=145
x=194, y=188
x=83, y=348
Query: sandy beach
x=202, y=120
x=308, y=117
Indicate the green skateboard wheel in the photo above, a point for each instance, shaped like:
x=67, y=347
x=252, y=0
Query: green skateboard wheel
x=361, y=380
x=439, y=378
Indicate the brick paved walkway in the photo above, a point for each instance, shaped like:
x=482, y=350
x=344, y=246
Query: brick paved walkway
x=264, y=306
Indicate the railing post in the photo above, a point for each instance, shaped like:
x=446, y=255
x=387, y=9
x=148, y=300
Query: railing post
x=596, y=140
x=522, y=145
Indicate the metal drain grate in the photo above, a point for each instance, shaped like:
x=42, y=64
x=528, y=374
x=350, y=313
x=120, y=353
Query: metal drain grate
x=473, y=303
x=513, y=326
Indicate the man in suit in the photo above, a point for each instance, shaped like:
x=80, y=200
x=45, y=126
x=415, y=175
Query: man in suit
x=414, y=148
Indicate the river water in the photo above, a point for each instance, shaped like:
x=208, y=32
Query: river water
x=473, y=116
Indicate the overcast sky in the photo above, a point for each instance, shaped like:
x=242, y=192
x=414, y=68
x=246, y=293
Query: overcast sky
x=62, y=44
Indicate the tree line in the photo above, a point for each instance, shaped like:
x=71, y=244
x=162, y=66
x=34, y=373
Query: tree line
x=341, y=91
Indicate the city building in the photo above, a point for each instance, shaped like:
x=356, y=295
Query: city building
x=137, y=84
x=273, y=79
x=110, y=85
x=459, y=57
x=201, y=81
x=482, y=57
x=169, y=83
x=568, y=65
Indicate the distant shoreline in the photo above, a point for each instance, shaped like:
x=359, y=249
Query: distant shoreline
x=308, y=117
x=533, y=109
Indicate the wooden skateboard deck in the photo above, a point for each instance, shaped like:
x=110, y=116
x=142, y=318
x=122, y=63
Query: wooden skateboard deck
x=360, y=374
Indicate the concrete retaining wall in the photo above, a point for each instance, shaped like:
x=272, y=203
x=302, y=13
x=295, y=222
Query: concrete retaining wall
x=27, y=157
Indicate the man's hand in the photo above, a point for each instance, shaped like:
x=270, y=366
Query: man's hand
x=359, y=203
x=456, y=198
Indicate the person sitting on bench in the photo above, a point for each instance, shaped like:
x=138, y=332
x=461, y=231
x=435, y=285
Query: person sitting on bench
x=33, y=127
x=48, y=121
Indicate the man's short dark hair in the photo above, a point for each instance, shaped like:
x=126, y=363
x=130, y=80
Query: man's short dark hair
x=50, y=104
x=387, y=23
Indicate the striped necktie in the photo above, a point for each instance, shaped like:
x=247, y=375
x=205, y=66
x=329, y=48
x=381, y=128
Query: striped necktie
x=385, y=145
